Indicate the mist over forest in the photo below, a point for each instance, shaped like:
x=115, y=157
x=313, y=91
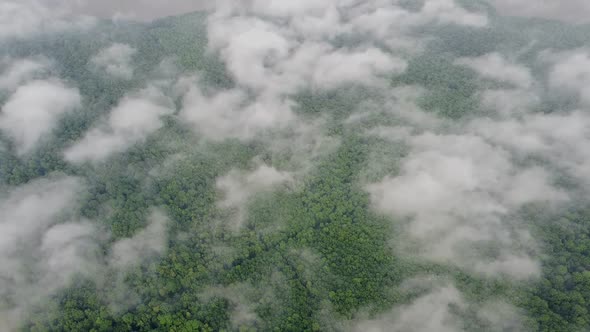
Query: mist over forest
x=310, y=165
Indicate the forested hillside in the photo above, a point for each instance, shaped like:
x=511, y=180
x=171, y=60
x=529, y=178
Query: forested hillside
x=325, y=165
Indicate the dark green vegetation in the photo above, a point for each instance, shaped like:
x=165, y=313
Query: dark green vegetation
x=307, y=257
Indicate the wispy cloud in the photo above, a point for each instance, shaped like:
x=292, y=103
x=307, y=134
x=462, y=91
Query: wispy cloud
x=35, y=109
x=129, y=123
x=115, y=60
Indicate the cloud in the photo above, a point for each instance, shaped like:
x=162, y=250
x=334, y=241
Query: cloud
x=501, y=316
x=437, y=11
x=225, y=114
x=569, y=11
x=391, y=23
x=460, y=184
x=278, y=63
x=39, y=253
x=238, y=187
x=143, y=10
x=509, y=102
x=69, y=248
x=129, y=123
x=401, y=102
x=455, y=192
x=448, y=12
x=430, y=312
x=126, y=254
x=275, y=50
x=437, y=305
x=18, y=71
x=26, y=18
x=358, y=67
x=458, y=192
x=571, y=72
x=277, y=60
x=288, y=56
x=242, y=307
x=495, y=66
x=115, y=60
x=147, y=243
x=560, y=139
x=35, y=109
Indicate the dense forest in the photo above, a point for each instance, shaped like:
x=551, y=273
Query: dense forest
x=326, y=166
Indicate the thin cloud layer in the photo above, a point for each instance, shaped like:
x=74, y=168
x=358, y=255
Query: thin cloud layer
x=230, y=114
x=495, y=66
x=275, y=50
x=239, y=186
x=457, y=191
x=147, y=243
x=115, y=60
x=569, y=11
x=15, y=72
x=142, y=10
x=560, y=139
x=571, y=72
x=519, y=97
x=287, y=56
x=39, y=254
x=440, y=306
x=431, y=312
x=130, y=122
x=35, y=109
x=26, y=18
x=454, y=187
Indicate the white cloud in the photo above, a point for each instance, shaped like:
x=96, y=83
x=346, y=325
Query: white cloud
x=243, y=314
x=127, y=254
x=497, y=67
x=238, y=187
x=67, y=249
x=559, y=138
x=148, y=242
x=457, y=191
x=17, y=72
x=448, y=12
x=278, y=63
x=430, y=312
x=39, y=254
x=440, y=307
x=34, y=110
x=115, y=60
x=131, y=122
x=402, y=103
x=501, y=316
x=571, y=72
x=509, y=102
x=229, y=113
x=250, y=47
x=274, y=50
x=569, y=11
x=25, y=18
x=391, y=23
x=358, y=67
x=143, y=10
